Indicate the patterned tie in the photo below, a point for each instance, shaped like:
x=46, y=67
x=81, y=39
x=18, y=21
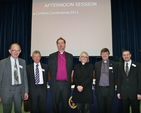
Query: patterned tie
x=16, y=80
x=126, y=69
x=37, y=79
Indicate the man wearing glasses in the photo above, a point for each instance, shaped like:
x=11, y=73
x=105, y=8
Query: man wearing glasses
x=13, y=80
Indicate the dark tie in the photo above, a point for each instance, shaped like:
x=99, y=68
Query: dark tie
x=16, y=80
x=126, y=69
x=37, y=79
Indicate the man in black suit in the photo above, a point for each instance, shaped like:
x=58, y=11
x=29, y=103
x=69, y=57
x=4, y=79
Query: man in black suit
x=129, y=83
x=106, y=74
x=60, y=68
x=37, y=81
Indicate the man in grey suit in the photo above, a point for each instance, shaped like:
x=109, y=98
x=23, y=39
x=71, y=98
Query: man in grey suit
x=13, y=80
x=60, y=68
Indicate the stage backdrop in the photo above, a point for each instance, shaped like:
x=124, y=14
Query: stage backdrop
x=15, y=26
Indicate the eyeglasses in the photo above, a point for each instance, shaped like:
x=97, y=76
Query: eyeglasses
x=16, y=50
x=84, y=57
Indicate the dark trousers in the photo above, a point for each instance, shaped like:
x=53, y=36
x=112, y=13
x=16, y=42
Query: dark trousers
x=60, y=94
x=83, y=108
x=134, y=105
x=104, y=100
x=38, y=100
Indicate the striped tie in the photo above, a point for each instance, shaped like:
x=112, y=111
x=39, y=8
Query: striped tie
x=37, y=79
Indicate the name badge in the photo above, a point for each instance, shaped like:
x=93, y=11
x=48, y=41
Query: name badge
x=43, y=70
x=133, y=65
x=110, y=67
x=20, y=66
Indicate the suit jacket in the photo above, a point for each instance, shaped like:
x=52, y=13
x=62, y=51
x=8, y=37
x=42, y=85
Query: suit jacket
x=53, y=63
x=31, y=78
x=6, y=78
x=129, y=86
x=112, y=75
x=83, y=75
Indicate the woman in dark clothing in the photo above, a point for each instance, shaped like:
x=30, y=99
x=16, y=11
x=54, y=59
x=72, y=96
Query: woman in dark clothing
x=83, y=77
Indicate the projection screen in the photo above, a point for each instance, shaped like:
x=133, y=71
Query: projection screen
x=84, y=24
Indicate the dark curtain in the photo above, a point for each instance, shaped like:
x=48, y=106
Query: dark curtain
x=15, y=26
x=126, y=27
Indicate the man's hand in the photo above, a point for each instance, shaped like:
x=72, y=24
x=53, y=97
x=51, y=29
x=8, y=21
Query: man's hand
x=25, y=96
x=0, y=100
x=79, y=88
x=138, y=96
x=118, y=95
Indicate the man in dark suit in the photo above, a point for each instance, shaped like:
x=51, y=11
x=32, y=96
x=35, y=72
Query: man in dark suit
x=13, y=80
x=60, y=68
x=37, y=81
x=106, y=74
x=129, y=83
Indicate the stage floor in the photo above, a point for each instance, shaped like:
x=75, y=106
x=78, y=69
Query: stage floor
x=117, y=107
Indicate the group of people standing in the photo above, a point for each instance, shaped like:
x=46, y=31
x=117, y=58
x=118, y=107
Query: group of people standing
x=20, y=82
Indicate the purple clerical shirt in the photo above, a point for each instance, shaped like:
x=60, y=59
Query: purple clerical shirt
x=62, y=70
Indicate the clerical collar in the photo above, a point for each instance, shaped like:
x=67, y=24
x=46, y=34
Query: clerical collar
x=83, y=63
x=61, y=52
x=105, y=61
